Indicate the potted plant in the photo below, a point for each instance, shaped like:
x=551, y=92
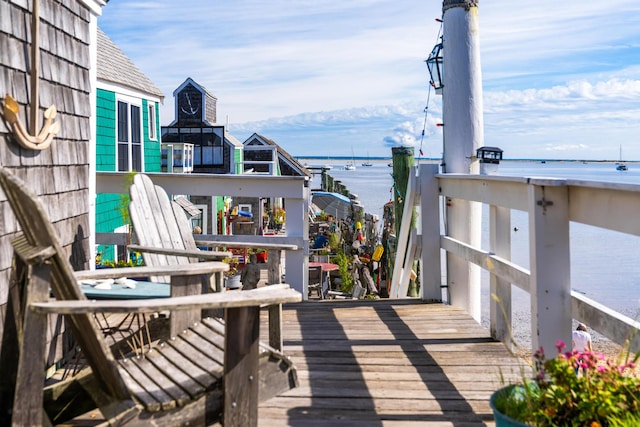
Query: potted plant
x=232, y=276
x=603, y=393
x=261, y=254
x=279, y=217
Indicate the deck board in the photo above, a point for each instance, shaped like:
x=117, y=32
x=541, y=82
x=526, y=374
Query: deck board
x=388, y=363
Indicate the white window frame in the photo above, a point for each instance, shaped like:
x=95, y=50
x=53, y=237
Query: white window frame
x=135, y=102
x=205, y=218
x=151, y=120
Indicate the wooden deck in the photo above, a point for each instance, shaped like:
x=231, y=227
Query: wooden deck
x=388, y=363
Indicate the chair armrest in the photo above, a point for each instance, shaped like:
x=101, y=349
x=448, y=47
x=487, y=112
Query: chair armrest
x=164, y=270
x=268, y=295
x=213, y=255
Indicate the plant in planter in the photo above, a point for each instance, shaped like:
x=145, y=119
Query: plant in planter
x=279, y=218
x=261, y=254
x=232, y=276
x=604, y=393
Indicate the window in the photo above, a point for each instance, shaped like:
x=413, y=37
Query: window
x=152, y=120
x=208, y=144
x=129, y=144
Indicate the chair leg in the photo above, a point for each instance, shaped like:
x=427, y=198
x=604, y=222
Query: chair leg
x=28, y=401
x=241, y=381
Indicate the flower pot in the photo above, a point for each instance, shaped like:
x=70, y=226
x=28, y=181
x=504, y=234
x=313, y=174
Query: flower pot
x=501, y=419
x=233, y=282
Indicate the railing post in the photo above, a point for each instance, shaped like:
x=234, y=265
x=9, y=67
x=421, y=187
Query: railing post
x=430, y=228
x=550, y=283
x=500, y=306
x=463, y=277
x=297, y=262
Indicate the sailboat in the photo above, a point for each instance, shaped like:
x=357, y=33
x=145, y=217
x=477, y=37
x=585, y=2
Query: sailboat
x=351, y=166
x=621, y=166
x=367, y=163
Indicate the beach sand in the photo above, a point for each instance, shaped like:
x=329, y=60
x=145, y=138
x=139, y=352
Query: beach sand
x=601, y=344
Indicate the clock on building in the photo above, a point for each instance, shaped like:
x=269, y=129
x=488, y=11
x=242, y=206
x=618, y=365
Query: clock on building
x=190, y=104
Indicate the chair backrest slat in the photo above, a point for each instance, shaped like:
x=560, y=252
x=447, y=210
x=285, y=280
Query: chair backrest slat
x=158, y=222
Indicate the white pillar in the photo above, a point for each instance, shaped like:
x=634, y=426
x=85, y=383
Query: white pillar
x=297, y=225
x=463, y=135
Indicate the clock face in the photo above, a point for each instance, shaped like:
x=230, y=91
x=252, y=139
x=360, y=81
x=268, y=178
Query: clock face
x=190, y=103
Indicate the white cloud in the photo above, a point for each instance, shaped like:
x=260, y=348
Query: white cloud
x=559, y=77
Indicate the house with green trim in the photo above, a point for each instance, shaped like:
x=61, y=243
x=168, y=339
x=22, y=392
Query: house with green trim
x=127, y=133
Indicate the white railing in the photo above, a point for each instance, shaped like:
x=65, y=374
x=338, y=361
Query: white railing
x=294, y=191
x=551, y=204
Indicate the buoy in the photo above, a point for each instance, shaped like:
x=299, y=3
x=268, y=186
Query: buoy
x=377, y=253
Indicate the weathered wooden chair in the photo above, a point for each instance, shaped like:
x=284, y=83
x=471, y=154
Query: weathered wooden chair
x=164, y=237
x=209, y=368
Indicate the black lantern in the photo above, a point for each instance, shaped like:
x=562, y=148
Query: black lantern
x=434, y=63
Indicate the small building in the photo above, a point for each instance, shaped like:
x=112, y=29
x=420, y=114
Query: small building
x=214, y=149
x=263, y=156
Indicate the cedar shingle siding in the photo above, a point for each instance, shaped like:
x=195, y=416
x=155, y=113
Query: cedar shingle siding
x=59, y=174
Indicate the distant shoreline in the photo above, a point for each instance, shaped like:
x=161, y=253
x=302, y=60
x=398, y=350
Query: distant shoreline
x=430, y=159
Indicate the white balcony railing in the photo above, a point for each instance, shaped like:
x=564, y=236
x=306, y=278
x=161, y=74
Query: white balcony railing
x=551, y=204
x=294, y=191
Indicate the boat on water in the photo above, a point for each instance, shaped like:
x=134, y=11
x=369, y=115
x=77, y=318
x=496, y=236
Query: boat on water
x=621, y=166
x=351, y=166
x=368, y=162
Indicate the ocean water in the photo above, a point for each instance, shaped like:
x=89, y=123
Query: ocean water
x=605, y=265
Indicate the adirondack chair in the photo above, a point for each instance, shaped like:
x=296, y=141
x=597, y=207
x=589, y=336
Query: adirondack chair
x=164, y=237
x=210, y=367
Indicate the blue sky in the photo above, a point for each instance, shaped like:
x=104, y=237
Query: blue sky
x=561, y=79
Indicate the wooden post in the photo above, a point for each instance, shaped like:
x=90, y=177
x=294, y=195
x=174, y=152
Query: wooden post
x=402, y=166
x=32, y=348
x=500, y=307
x=182, y=319
x=549, y=251
x=241, y=380
x=430, y=215
x=275, y=327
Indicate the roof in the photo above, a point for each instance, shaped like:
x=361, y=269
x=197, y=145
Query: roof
x=232, y=139
x=115, y=67
x=495, y=149
x=197, y=85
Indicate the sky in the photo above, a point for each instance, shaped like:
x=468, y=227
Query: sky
x=561, y=80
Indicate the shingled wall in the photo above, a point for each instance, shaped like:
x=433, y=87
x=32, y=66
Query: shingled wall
x=59, y=174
